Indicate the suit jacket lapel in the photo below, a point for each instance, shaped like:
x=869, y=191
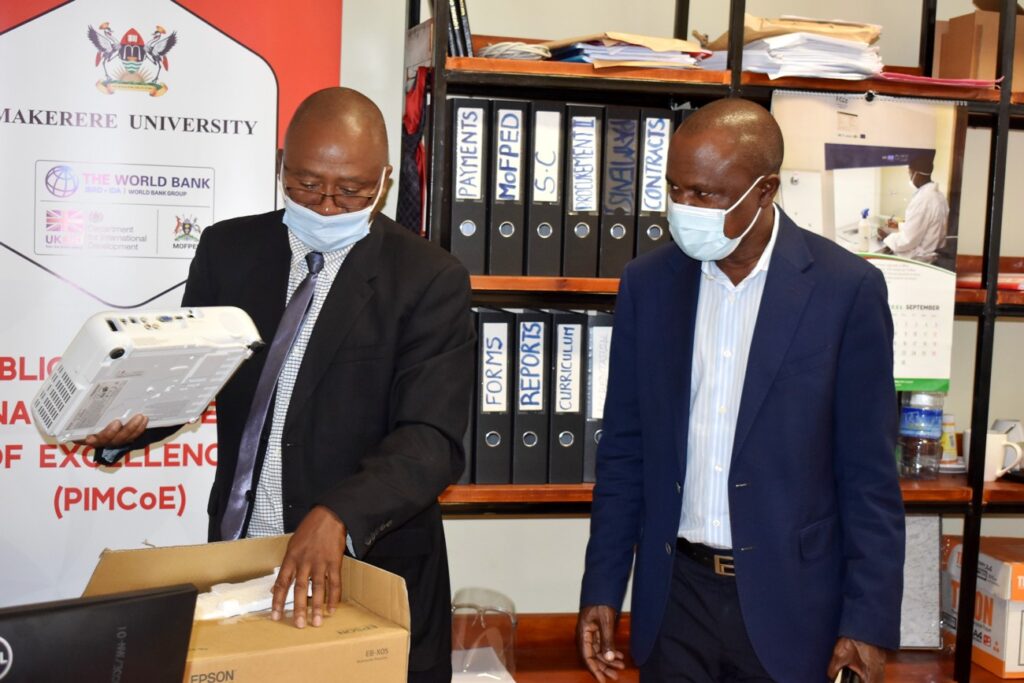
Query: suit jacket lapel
x=786, y=293
x=349, y=293
x=265, y=303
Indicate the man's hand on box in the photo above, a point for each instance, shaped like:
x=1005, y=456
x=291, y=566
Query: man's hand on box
x=116, y=434
x=313, y=558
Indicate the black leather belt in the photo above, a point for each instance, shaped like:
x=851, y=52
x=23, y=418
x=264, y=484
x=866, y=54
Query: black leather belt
x=718, y=560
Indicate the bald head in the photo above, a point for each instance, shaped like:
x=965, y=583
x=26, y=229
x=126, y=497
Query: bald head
x=342, y=115
x=755, y=140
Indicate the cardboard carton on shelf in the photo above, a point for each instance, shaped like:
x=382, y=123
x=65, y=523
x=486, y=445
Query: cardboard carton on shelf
x=967, y=46
x=999, y=602
x=366, y=639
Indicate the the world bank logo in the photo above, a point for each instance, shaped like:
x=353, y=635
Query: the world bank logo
x=61, y=181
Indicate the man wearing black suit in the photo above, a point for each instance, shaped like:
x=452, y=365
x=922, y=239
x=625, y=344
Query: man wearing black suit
x=369, y=407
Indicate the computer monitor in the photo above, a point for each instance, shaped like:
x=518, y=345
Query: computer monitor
x=117, y=638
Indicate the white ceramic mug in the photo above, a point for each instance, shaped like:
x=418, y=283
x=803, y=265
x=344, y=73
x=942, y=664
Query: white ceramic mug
x=996, y=447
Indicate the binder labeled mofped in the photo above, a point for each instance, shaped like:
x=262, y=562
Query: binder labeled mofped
x=469, y=183
x=493, y=456
x=618, y=196
x=599, y=344
x=568, y=387
x=506, y=230
x=652, y=203
x=544, y=202
x=530, y=424
x=584, y=124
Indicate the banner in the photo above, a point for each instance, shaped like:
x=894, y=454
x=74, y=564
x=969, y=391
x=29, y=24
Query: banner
x=127, y=128
x=880, y=177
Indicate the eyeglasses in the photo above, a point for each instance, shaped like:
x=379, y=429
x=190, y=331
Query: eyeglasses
x=344, y=201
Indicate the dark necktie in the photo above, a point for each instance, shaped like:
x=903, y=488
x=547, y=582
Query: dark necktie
x=242, y=489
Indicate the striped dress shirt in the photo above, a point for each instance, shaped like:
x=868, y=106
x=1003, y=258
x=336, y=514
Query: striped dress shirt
x=726, y=314
x=267, y=514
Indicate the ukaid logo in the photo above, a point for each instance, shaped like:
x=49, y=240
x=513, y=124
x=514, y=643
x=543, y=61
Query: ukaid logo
x=132, y=63
x=6, y=658
x=64, y=227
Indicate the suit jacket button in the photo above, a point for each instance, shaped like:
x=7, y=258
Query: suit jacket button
x=668, y=548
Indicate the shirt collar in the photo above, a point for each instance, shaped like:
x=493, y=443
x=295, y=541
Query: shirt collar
x=711, y=269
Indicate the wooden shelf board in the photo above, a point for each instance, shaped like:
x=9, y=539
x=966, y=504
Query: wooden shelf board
x=948, y=488
x=501, y=283
x=1004, y=492
x=879, y=86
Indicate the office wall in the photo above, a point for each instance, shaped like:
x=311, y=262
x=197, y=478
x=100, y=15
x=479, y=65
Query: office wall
x=538, y=561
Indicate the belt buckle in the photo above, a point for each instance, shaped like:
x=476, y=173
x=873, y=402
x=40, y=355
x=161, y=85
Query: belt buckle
x=724, y=565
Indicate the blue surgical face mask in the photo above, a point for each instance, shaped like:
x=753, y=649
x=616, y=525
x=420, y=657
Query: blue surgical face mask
x=329, y=233
x=700, y=232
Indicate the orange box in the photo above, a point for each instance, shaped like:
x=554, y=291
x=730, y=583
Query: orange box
x=999, y=601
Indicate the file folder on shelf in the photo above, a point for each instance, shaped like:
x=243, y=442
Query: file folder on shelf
x=568, y=394
x=599, y=342
x=493, y=452
x=530, y=423
x=584, y=124
x=469, y=437
x=506, y=226
x=544, y=201
x=652, y=206
x=469, y=183
x=618, y=196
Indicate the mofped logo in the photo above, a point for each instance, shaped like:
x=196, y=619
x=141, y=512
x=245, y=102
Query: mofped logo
x=186, y=229
x=128, y=63
x=6, y=658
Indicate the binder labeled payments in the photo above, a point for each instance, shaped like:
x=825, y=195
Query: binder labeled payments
x=652, y=205
x=506, y=229
x=530, y=389
x=599, y=343
x=568, y=386
x=493, y=453
x=469, y=178
x=618, y=197
x=584, y=124
x=544, y=202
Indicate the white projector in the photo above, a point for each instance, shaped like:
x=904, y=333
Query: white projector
x=167, y=365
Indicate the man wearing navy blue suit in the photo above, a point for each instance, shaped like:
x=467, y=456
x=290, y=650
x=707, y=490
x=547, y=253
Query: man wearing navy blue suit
x=747, y=458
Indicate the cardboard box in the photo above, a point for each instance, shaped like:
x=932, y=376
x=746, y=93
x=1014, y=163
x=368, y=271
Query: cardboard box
x=366, y=639
x=967, y=46
x=999, y=602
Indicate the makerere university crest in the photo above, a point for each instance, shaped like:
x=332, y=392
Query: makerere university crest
x=128, y=63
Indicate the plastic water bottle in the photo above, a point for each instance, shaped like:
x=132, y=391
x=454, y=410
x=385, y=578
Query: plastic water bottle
x=864, y=231
x=920, y=439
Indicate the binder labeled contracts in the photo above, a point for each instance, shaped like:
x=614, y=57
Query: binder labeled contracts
x=544, y=203
x=530, y=423
x=506, y=229
x=583, y=190
x=618, y=197
x=568, y=386
x=493, y=454
x=599, y=344
x=652, y=204
x=469, y=178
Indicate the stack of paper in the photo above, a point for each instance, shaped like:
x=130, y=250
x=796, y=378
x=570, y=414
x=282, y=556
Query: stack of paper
x=806, y=54
x=626, y=49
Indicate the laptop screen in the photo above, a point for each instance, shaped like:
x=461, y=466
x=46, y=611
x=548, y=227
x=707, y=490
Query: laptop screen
x=117, y=638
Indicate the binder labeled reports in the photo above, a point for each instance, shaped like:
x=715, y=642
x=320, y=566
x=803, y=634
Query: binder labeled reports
x=618, y=198
x=530, y=446
x=568, y=383
x=506, y=224
x=469, y=202
x=583, y=190
x=652, y=216
x=544, y=206
x=493, y=456
x=599, y=343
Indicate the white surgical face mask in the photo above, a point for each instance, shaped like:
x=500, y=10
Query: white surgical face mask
x=329, y=233
x=700, y=232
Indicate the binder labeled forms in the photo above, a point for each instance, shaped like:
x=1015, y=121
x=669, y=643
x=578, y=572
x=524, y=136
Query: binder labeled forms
x=544, y=208
x=493, y=456
x=599, y=343
x=469, y=201
x=568, y=384
x=652, y=216
x=530, y=446
x=506, y=224
x=618, y=199
x=583, y=195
